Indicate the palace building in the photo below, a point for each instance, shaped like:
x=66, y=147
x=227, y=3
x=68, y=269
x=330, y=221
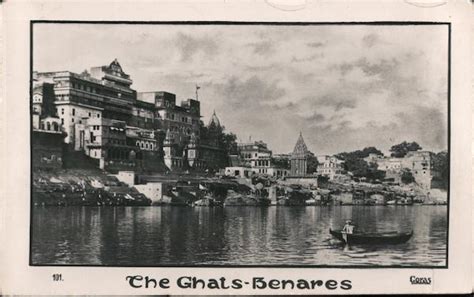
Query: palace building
x=102, y=116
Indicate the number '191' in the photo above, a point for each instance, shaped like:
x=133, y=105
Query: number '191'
x=57, y=277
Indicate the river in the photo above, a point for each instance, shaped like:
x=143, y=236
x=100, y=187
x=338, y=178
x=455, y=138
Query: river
x=254, y=236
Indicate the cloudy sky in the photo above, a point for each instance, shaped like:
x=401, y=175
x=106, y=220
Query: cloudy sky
x=344, y=87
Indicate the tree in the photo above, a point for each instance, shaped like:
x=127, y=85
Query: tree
x=373, y=173
x=312, y=164
x=359, y=154
x=357, y=166
x=441, y=170
x=407, y=176
x=281, y=162
x=228, y=142
x=354, y=162
x=370, y=150
x=401, y=149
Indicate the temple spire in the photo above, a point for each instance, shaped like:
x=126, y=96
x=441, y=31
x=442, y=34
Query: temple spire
x=215, y=119
x=300, y=146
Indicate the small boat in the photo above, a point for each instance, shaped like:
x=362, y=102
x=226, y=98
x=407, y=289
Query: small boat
x=373, y=238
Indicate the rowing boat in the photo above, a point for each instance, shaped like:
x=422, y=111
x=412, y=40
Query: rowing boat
x=373, y=238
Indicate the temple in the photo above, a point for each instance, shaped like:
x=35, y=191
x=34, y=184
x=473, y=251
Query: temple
x=299, y=158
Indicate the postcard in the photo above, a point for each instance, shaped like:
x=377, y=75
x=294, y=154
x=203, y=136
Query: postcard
x=204, y=148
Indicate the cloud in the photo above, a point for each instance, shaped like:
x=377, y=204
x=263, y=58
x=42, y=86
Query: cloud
x=317, y=117
x=384, y=67
x=306, y=59
x=416, y=120
x=334, y=100
x=250, y=92
x=370, y=40
x=345, y=87
x=315, y=44
x=188, y=46
x=262, y=48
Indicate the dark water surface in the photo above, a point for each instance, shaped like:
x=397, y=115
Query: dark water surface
x=154, y=236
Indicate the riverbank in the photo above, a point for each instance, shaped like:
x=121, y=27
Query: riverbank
x=82, y=187
x=94, y=187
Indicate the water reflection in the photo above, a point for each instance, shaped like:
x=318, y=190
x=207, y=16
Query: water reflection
x=155, y=236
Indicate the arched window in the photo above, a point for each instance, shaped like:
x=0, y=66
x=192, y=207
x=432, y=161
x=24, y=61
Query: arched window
x=48, y=126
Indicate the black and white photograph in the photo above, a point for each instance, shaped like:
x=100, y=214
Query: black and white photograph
x=240, y=144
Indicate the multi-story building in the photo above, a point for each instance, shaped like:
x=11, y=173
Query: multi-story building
x=108, y=120
x=329, y=166
x=181, y=120
x=420, y=164
x=256, y=155
x=104, y=92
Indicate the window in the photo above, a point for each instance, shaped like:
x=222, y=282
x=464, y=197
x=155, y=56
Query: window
x=90, y=114
x=98, y=115
x=62, y=110
x=73, y=111
x=62, y=121
x=80, y=121
x=72, y=120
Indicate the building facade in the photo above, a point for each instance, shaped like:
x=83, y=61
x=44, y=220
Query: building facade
x=258, y=157
x=420, y=164
x=329, y=166
x=106, y=119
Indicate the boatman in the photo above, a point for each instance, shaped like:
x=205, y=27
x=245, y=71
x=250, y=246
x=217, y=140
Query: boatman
x=348, y=229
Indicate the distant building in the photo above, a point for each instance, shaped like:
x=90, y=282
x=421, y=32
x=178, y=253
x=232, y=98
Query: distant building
x=329, y=166
x=420, y=164
x=299, y=158
x=196, y=153
x=257, y=156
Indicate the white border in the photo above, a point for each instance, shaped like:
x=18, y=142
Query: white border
x=19, y=278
